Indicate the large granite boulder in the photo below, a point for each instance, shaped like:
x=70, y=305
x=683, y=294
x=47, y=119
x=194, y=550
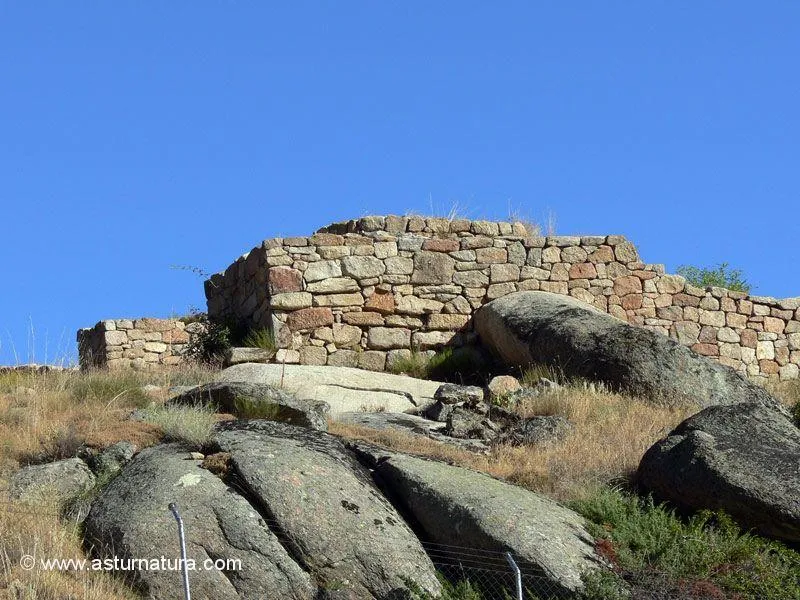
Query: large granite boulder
x=130, y=520
x=248, y=400
x=460, y=508
x=540, y=327
x=344, y=531
x=743, y=459
x=345, y=389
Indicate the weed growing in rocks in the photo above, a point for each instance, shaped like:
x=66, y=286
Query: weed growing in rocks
x=720, y=276
x=455, y=365
x=190, y=424
x=260, y=338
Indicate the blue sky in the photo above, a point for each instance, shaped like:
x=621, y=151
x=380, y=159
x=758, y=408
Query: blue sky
x=135, y=136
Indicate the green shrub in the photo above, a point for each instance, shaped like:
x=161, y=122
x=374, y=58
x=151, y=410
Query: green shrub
x=706, y=550
x=719, y=276
x=216, y=337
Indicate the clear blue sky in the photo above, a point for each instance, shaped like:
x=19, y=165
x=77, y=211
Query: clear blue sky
x=135, y=136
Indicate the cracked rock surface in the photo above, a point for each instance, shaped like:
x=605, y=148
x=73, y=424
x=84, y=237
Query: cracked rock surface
x=130, y=520
x=336, y=521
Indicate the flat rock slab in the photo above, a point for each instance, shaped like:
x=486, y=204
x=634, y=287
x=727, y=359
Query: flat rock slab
x=345, y=389
x=743, y=459
x=343, y=530
x=238, y=355
x=248, y=400
x=130, y=520
x=539, y=327
x=410, y=424
x=462, y=508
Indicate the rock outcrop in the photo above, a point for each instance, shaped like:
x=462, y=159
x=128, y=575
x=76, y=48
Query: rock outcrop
x=341, y=528
x=311, y=518
x=130, y=520
x=539, y=327
x=56, y=482
x=743, y=459
x=345, y=389
x=248, y=400
x=459, y=507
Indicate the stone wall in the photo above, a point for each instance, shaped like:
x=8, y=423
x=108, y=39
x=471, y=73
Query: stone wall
x=366, y=292
x=134, y=343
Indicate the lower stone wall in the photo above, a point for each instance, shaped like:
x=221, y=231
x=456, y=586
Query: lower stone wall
x=134, y=343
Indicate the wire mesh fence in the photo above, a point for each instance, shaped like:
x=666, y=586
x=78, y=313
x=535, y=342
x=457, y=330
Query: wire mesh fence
x=466, y=573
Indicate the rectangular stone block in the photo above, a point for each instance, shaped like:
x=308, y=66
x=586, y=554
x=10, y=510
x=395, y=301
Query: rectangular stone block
x=386, y=338
x=313, y=355
x=339, y=300
x=453, y=322
x=501, y=273
x=309, y=318
x=334, y=285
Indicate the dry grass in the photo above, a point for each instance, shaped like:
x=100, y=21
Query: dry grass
x=36, y=530
x=48, y=416
x=611, y=433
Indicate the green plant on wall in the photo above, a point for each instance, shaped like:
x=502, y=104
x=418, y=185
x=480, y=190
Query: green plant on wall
x=720, y=276
x=260, y=338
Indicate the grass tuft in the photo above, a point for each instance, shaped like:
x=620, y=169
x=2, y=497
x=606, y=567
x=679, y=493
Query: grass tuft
x=181, y=423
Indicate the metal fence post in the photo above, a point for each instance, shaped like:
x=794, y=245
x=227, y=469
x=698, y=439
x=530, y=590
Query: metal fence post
x=185, y=567
x=517, y=574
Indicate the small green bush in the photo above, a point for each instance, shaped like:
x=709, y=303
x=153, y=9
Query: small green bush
x=216, y=337
x=720, y=276
x=705, y=551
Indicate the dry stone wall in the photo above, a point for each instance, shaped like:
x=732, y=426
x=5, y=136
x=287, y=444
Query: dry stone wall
x=367, y=292
x=134, y=343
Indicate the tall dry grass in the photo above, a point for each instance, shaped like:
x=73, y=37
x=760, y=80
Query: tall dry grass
x=45, y=416
x=610, y=434
x=48, y=415
x=37, y=531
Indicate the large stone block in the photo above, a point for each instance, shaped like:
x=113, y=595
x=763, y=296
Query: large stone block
x=452, y=322
x=386, y=338
x=411, y=305
x=309, y=318
x=284, y=279
x=354, y=299
x=115, y=338
x=382, y=302
x=502, y=273
x=291, y=301
x=432, y=267
x=323, y=269
x=362, y=267
x=362, y=318
x=334, y=285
